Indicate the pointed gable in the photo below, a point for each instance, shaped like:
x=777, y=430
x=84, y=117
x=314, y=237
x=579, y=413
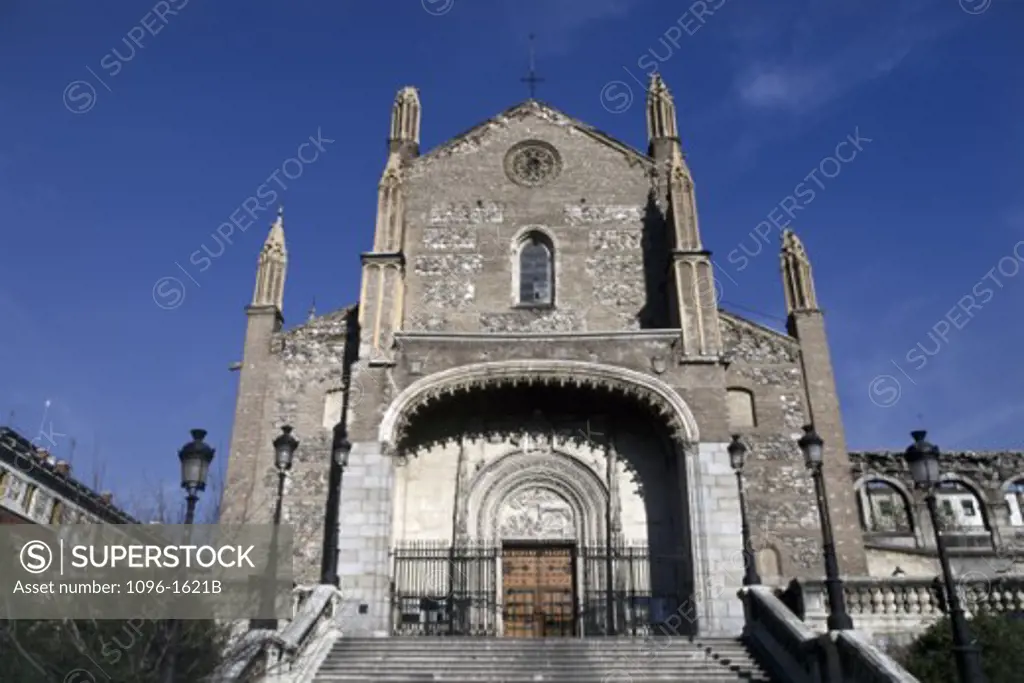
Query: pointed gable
x=474, y=137
x=751, y=342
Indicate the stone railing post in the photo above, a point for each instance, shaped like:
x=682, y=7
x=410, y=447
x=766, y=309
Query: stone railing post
x=999, y=520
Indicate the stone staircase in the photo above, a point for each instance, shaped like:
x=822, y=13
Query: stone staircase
x=552, y=660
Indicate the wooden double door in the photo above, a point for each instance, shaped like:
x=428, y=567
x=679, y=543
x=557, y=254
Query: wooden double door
x=538, y=588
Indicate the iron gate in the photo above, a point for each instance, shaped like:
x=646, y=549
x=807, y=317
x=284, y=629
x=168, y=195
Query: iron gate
x=441, y=589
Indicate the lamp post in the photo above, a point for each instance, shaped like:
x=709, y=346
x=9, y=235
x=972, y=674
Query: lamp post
x=284, y=451
x=812, y=447
x=195, y=457
x=341, y=447
x=923, y=459
x=737, y=457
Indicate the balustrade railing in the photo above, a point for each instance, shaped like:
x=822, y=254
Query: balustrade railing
x=896, y=609
x=293, y=652
x=793, y=652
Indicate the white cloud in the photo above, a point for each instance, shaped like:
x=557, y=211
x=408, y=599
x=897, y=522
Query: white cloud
x=798, y=67
x=558, y=22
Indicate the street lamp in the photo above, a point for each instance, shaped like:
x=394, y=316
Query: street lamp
x=284, y=451
x=923, y=459
x=195, y=457
x=341, y=447
x=813, y=449
x=737, y=456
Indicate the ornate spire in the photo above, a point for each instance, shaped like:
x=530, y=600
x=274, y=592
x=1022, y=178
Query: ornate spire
x=796, y=275
x=273, y=263
x=661, y=111
x=388, y=234
x=405, y=119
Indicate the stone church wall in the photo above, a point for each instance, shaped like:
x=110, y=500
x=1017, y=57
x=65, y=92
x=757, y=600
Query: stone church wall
x=307, y=368
x=463, y=214
x=780, y=491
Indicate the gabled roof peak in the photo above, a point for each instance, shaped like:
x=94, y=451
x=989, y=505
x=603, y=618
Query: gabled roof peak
x=540, y=109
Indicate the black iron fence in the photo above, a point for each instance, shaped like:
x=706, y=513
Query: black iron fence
x=441, y=589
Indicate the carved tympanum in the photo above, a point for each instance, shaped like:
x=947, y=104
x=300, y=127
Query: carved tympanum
x=536, y=514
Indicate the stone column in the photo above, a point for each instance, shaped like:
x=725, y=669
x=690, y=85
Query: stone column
x=998, y=519
x=364, y=541
x=714, y=508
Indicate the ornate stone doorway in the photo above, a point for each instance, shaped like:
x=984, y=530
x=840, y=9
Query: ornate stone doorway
x=538, y=588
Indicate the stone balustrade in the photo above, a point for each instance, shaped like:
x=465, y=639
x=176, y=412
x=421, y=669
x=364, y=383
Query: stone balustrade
x=894, y=611
x=292, y=653
x=792, y=651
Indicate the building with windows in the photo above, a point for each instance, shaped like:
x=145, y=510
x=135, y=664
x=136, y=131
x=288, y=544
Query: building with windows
x=36, y=488
x=538, y=387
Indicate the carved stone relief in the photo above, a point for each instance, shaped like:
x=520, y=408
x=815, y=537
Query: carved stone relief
x=617, y=239
x=481, y=212
x=583, y=214
x=448, y=265
x=536, y=514
x=449, y=238
x=532, y=320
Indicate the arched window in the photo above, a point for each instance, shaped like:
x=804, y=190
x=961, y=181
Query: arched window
x=962, y=516
x=741, y=409
x=767, y=562
x=883, y=509
x=536, y=271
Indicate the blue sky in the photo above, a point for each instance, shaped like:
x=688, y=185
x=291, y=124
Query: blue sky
x=116, y=166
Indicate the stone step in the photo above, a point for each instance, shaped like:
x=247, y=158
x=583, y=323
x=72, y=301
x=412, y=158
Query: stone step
x=575, y=646
x=551, y=660
x=556, y=652
x=529, y=663
x=536, y=678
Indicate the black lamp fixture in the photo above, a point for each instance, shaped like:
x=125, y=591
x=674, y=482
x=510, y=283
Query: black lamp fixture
x=737, y=453
x=284, y=449
x=813, y=448
x=195, y=457
x=737, y=458
x=341, y=446
x=923, y=460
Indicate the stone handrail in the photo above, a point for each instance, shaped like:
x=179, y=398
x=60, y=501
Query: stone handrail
x=301, y=646
x=862, y=662
x=293, y=652
x=778, y=639
x=792, y=652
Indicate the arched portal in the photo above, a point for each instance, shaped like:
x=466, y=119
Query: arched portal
x=590, y=475
x=536, y=496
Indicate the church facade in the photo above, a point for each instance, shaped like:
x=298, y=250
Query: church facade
x=522, y=426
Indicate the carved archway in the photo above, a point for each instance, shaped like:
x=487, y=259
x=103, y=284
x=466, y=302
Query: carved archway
x=554, y=474
x=650, y=392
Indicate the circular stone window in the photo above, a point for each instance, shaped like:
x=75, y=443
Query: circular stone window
x=532, y=163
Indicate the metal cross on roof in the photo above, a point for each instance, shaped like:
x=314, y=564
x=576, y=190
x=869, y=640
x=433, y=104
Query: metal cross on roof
x=532, y=79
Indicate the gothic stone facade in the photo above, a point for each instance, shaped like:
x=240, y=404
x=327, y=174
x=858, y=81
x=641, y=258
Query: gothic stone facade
x=538, y=355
